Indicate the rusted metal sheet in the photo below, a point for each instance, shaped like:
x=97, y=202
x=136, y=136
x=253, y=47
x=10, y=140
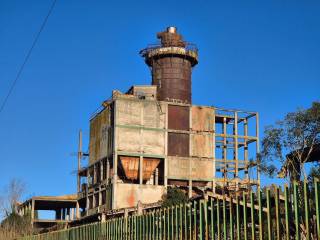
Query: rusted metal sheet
x=130, y=167
x=100, y=136
x=178, y=144
x=172, y=75
x=149, y=166
x=202, y=118
x=171, y=63
x=178, y=117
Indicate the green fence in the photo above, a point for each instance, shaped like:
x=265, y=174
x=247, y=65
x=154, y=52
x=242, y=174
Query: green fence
x=274, y=213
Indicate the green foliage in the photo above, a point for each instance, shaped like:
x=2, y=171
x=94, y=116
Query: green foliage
x=290, y=142
x=174, y=196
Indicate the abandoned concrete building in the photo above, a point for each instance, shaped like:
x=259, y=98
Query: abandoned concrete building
x=152, y=137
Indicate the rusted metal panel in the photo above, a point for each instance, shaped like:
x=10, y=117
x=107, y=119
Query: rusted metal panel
x=172, y=75
x=100, y=132
x=149, y=166
x=130, y=166
x=171, y=63
x=178, y=117
x=202, y=118
x=202, y=145
x=178, y=144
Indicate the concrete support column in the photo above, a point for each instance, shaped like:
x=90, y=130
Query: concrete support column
x=108, y=170
x=58, y=214
x=32, y=211
x=190, y=189
x=141, y=170
x=63, y=214
x=72, y=214
x=77, y=210
x=68, y=214
x=157, y=176
x=101, y=170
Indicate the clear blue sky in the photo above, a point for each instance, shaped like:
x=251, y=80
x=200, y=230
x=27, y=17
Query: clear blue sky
x=254, y=55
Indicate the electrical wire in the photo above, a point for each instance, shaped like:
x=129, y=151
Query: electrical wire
x=27, y=56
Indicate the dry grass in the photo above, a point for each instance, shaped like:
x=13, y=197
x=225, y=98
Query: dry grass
x=6, y=234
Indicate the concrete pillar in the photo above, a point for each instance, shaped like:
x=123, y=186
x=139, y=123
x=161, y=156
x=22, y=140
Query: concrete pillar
x=63, y=214
x=58, y=214
x=101, y=170
x=77, y=210
x=32, y=211
x=72, y=214
x=190, y=189
x=108, y=170
x=157, y=176
x=103, y=217
x=141, y=170
x=68, y=214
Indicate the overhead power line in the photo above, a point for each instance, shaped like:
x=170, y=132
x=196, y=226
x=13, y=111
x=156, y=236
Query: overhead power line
x=27, y=56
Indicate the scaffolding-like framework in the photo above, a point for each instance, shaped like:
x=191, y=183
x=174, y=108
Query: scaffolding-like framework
x=237, y=148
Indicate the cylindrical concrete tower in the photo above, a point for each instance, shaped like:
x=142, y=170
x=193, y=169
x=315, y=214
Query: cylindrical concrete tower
x=171, y=64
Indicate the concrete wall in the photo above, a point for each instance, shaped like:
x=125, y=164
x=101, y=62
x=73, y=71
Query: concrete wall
x=128, y=195
x=100, y=144
x=140, y=127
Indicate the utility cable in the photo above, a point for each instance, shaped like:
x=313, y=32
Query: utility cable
x=27, y=56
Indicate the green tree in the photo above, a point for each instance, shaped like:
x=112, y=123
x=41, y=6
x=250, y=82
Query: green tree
x=291, y=141
x=174, y=196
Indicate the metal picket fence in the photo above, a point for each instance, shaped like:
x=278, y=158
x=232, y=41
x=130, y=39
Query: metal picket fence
x=274, y=213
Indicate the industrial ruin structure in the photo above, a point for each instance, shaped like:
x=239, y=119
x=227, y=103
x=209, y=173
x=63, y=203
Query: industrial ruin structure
x=152, y=137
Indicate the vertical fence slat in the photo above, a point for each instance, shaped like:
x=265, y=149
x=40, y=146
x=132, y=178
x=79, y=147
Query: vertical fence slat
x=277, y=195
x=260, y=214
x=296, y=209
x=238, y=218
x=212, y=218
x=224, y=216
x=218, y=219
x=245, y=230
x=317, y=198
x=269, y=215
x=287, y=211
x=231, y=219
x=253, y=225
x=306, y=209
